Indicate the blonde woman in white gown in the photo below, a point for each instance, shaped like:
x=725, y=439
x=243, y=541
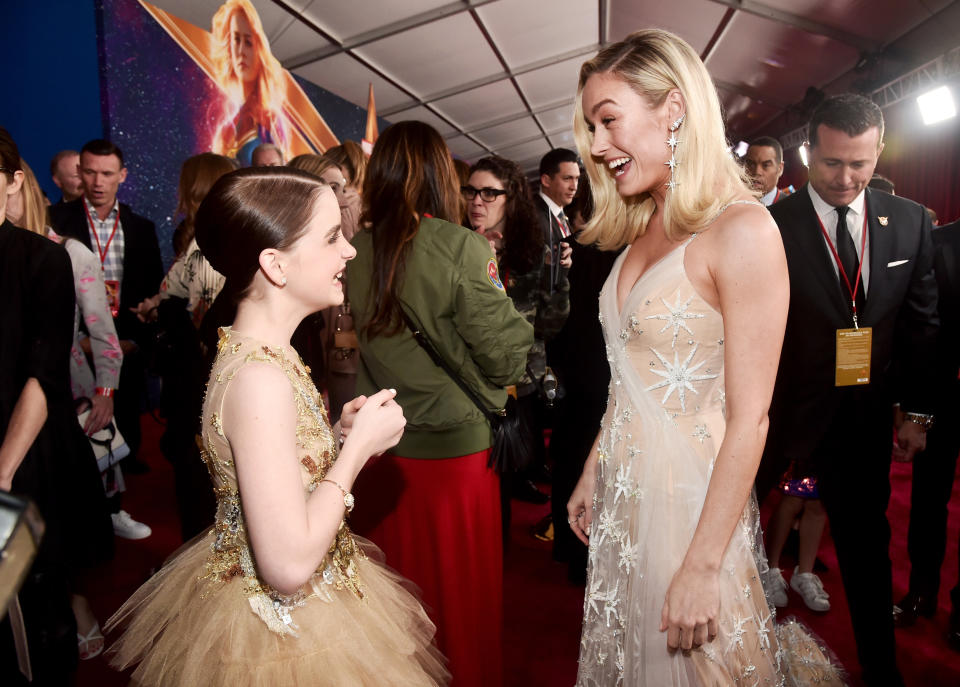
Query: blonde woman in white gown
x=693, y=314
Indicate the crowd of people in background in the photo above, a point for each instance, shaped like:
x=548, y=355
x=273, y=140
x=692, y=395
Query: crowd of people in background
x=473, y=278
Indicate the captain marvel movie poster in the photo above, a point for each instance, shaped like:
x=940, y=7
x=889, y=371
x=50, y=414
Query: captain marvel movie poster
x=171, y=89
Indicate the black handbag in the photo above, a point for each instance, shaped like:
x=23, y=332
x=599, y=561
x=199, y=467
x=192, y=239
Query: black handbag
x=511, y=444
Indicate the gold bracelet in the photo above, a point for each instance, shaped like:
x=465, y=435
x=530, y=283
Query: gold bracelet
x=348, y=499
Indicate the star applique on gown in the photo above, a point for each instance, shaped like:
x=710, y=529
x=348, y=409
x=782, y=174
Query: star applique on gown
x=659, y=439
x=206, y=618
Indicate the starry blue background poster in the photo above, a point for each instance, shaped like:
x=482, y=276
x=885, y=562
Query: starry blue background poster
x=157, y=103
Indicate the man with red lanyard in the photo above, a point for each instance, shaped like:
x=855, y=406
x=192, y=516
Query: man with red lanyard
x=764, y=163
x=126, y=246
x=860, y=336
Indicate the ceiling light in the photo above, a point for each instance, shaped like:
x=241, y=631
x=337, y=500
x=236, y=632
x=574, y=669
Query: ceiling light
x=803, y=155
x=937, y=105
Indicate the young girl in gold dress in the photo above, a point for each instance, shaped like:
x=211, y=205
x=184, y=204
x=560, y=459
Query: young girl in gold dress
x=279, y=592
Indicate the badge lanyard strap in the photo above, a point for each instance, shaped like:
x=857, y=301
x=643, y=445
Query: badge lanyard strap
x=836, y=257
x=96, y=235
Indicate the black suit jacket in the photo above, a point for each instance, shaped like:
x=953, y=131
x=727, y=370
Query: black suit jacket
x=142, y=265
x=552, y=233
x=946, y=266
x=901, y=308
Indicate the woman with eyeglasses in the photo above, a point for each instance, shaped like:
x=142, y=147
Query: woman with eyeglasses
x=499, y=207
x=433, y=502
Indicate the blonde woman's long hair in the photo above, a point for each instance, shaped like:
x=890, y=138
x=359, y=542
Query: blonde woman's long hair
x=653, y=63
x=34, y=207
x=270, y=90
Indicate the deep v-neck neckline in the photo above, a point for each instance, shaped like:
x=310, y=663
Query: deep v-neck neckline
x=643, y=275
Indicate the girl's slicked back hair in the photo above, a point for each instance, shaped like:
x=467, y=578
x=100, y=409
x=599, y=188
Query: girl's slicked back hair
x=249, y=211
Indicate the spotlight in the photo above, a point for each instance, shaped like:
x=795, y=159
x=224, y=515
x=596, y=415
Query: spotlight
x=937, y=105
x=803, y=155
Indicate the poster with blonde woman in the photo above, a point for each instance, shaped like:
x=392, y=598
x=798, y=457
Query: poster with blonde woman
x=260, y=102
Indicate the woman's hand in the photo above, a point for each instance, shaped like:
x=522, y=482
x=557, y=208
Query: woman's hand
x=566, y=255
x=580, y=505
x=377, y=424
x=689, y=615
x=101, y=411
x=349, y=414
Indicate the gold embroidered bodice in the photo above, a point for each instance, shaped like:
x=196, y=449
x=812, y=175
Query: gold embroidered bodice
x=230, y=552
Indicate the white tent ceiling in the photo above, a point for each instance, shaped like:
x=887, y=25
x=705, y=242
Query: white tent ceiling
x=500, y=75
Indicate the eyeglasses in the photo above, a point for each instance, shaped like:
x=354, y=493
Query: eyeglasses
x=487, y=194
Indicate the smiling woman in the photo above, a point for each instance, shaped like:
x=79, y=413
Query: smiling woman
x=252, y=80
x=693, y=324
x=271, y=594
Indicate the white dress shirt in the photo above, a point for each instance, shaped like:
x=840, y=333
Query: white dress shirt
x=855, y=216
x=554, y=208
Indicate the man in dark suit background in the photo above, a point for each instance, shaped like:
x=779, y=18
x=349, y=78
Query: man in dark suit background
x=559, y=176
x=934, y=469
x=832, y=228
x=129, y=254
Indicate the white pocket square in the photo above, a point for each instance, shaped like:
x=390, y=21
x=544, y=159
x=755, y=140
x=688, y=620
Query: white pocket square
x=897, y=263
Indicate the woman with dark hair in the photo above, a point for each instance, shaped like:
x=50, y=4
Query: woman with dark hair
x=433, y=502
x=279, y=592
x=500, y=208
x=43, y=452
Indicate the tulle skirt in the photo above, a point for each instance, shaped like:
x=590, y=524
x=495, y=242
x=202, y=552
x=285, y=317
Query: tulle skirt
x=183, y=630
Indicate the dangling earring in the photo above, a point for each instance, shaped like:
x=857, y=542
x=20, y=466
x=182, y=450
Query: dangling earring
x=673, y=141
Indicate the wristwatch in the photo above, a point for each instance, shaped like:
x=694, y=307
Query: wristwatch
x=348, y=499
x=925, y=421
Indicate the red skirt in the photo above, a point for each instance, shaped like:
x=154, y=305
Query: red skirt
x=438, y=522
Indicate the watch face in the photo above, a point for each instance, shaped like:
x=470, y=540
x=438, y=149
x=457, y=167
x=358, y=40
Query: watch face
x=348, y=501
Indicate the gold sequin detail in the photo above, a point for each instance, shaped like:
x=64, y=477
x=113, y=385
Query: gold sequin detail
x=230, y=556
x=217, y=423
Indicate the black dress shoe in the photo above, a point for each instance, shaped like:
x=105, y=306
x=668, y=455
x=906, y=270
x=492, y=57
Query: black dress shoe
x=953, y=630
x=526, y=490
x=911, y=607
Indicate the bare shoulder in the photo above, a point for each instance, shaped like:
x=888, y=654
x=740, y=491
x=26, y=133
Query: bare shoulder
x=257, y=391
x=742, y=235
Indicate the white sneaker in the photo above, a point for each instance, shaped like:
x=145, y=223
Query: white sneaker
x=775, y=587
x=128, y=528
x=809, y=586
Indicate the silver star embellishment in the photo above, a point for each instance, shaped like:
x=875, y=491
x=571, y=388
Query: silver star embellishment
x=671, y=163
x=673, y=141
x=736, y=636
x=608, y=526
x=678, y=376
x=628, y=555
x=623, y=483
x=672, y=184
x=676, y=317
x=700, y=432
x=610, y=605
x=595, y=595
x=763, y=631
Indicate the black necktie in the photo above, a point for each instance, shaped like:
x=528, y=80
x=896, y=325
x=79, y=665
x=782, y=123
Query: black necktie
x=847, y=252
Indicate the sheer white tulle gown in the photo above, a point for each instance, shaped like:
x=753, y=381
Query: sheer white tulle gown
x=663, y=427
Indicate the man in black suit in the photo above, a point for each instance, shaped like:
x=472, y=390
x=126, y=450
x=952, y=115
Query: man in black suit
x=129, y=254
x=559, y=176
x=861, y=284
x=934, y=469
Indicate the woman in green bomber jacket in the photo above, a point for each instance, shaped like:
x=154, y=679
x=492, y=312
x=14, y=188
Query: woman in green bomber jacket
x=432, y=504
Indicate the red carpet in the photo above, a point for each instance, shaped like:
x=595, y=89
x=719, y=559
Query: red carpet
x=542, y=610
